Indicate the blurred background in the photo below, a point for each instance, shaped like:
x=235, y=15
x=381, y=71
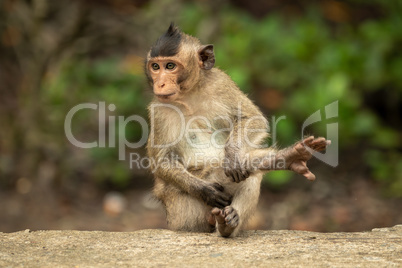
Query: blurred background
x=291, y=57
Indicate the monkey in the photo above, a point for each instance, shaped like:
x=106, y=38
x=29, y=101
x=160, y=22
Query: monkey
x=206, y=141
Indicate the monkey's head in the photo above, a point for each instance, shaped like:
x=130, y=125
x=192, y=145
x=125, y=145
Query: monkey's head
x=175, y=64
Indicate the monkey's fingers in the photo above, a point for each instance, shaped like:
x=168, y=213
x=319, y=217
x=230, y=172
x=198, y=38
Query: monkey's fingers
x=242, y=174
x=237, y=175
x=221, y=203
x=219, y=200
x=245, y=174
x=218, y=187
x=230, y=173
x=227, y=172
x=214, y=195
x=223, y=199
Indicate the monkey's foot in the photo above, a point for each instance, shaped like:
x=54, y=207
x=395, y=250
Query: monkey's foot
x=301, y=153
x=318, y=144
x=227, y=220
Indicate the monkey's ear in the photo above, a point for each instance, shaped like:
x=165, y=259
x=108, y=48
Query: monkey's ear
x=207, y=57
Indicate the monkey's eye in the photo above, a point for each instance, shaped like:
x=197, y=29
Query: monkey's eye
x=155, y=66
x=170, y=65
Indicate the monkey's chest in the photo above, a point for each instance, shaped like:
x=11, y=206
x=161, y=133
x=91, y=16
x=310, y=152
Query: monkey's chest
x=204, y=147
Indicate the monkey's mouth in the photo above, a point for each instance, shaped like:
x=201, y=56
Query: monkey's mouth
x=165, y=97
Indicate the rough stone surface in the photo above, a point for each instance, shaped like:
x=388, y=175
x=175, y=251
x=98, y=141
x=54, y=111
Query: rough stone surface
x=162, y=248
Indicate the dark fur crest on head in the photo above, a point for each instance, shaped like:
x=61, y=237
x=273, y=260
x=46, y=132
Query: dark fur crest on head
x=168, y=44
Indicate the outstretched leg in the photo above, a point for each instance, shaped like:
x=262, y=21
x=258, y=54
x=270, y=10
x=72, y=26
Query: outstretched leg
x=298, y=155
x=294, y=157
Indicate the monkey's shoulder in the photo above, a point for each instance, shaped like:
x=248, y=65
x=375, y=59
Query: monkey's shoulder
x=223, y=87
x=222, y=82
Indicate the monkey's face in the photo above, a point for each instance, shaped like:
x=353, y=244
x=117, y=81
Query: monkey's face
x=175, y=63
x=165, y=74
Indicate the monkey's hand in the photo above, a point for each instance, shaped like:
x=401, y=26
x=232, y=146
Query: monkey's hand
x=296, y=156
x=235, y=164
x=213, y=195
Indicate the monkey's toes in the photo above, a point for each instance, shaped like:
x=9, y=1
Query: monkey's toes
x=301, y=168
x=227, y=220
x=302, y=151
x=232, y=221
x=308, y=141
x=219, y=216
x=316, y=144
x=319, y=144
x=310, y=176
x=231, y=217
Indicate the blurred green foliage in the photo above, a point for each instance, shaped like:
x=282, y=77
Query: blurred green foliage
x=112, y=80
x=312, y=64
x=303, y=63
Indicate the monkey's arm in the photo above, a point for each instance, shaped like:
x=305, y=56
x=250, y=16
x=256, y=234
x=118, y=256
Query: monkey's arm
x=212, y=194
x=293, y=158
x=250, y=128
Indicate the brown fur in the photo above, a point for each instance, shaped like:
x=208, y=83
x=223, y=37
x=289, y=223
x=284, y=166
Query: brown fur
x=221, y=186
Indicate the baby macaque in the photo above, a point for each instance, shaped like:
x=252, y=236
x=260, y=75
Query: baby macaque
x=207, y=140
